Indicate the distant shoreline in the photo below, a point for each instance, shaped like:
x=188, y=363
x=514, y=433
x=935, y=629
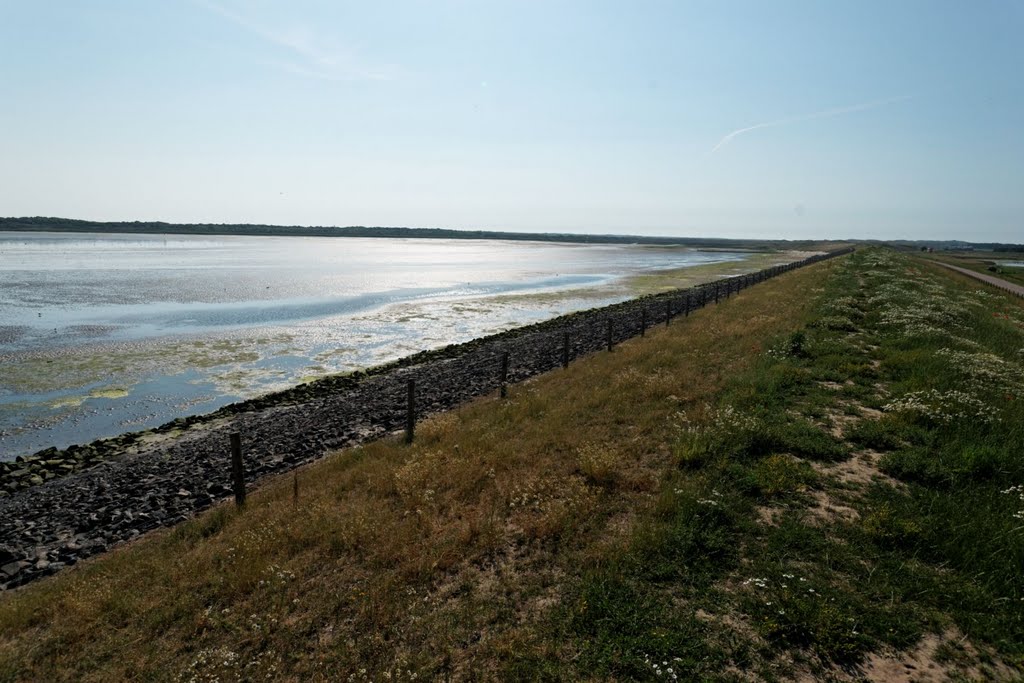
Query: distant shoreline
x=41, y=224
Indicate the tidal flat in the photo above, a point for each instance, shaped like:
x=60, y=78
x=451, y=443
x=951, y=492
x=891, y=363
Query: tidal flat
x=197, y=332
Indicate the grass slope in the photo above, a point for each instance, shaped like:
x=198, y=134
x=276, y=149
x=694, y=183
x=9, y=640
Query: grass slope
x=989, y=263
x=819, y=477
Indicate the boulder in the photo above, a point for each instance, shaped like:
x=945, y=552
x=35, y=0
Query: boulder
x=10, y=570
x=8, y=554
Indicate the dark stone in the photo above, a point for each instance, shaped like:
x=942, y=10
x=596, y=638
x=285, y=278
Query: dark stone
x=11, y=569
x=8, y=554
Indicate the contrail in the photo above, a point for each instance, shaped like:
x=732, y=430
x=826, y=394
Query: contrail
x=809, y=117
x=316, y=63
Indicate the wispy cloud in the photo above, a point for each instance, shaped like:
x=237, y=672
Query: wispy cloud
x=309, y=57
x=827, y=113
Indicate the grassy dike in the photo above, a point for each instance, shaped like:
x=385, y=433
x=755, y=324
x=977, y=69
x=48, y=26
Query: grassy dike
x=818, y=477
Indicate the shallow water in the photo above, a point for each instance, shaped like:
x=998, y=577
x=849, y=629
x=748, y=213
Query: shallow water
x=101, y=334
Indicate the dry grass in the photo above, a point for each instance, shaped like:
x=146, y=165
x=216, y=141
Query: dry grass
x=436, y=559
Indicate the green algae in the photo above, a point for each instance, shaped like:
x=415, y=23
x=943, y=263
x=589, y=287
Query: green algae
x=109, y=392
x=659, y=281
x=559, y=297
x=67, y=402
x=44, y=372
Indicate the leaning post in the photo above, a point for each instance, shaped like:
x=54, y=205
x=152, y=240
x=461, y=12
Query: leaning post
x=237, y=469
x=504, y=374
x=410, y=411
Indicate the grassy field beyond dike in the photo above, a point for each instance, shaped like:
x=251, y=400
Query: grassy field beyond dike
x=819, y=478
x=988, y=263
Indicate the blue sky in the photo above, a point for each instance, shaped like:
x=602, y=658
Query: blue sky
x=739, y=119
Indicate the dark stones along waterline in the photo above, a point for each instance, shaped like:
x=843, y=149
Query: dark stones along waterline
x=58, y=507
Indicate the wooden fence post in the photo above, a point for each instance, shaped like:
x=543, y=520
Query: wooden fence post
x=668, y=311
x=609, y=334
x=237, y=469
x=643, y=321
x=565, y=349
x=410, y=411
x=504, y=374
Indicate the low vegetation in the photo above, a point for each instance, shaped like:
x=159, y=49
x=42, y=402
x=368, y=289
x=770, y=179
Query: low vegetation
x=820, y=477
x=998, y=263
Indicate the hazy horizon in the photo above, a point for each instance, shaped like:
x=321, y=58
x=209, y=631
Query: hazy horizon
x=539, y=233
x=794, y=120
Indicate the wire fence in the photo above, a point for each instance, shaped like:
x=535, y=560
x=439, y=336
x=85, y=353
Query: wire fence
x=64, y=520
x=383, y=404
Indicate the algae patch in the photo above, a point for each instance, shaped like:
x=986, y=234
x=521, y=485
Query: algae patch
x=109, y=392
x=659, y=281
x=66, y=369
x=74, y=401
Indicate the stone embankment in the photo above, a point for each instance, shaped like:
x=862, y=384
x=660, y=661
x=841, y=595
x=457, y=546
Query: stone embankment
x=61, y=506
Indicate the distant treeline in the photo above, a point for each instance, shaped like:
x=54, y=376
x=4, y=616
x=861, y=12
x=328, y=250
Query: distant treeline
x=45, y=224
x=41, y=224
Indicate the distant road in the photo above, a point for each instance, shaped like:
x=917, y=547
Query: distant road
x=997, y=282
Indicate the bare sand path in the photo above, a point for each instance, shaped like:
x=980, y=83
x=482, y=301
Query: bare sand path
x=997, y=282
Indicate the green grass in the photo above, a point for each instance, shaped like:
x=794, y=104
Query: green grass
x=719, y=497
x=942, y=549
x=988, y=263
